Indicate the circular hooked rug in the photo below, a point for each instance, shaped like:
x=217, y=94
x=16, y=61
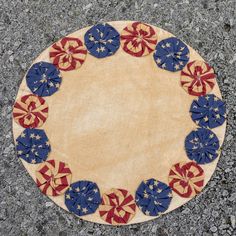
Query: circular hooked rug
x=119, y=123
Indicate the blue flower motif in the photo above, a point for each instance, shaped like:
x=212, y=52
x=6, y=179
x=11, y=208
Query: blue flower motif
x=83, y=198
x=171, y=54
x=43, y=79
x=102, y=40
x=33, y=146
x=208, y=111
x=153, y=197
x=202, y=146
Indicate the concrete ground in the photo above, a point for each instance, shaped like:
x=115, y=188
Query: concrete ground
x=28, y=27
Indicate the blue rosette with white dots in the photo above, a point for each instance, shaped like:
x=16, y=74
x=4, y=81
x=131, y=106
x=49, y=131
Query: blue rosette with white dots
x=208, y=111
x=43, y=79
x=153, y=197
x=202, y=146
x=102, y=40
x=33, y=146
x=83, y=197
x=171, y=54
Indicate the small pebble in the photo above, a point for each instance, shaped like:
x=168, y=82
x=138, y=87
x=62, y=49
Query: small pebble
x=11, y=58
x=229, y=137
x=215, y=214
x=213, y=229
x=87, y=6
x=49, y=204
x=232, y=220
x=225, y=193
x=27, y=193
x=186, y=211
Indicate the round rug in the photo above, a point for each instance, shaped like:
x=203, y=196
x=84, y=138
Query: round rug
x=119, y=123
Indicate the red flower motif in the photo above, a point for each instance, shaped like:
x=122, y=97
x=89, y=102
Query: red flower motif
x=197, y=78
x=186, y=179
x=68, y=54
x=117, y=207
x=30, y=111
x=138, y=39
x=53, y=177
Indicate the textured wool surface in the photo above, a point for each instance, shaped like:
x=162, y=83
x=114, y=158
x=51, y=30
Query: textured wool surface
x=28, y=27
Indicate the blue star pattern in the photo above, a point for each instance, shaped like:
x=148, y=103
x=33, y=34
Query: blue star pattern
x=208, y=111
x=83, y=198
x=202, y=146
x=33, y=146
x=43, y=79
x=102, y=40
x=153, y=197
x=171, y=54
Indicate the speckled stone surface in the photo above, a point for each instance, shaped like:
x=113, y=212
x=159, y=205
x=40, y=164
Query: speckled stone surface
x=28, y=27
